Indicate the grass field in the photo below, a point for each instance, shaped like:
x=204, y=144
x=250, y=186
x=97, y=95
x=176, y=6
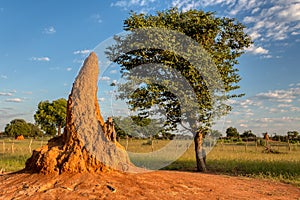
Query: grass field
x=14, y=153
x=230, y=159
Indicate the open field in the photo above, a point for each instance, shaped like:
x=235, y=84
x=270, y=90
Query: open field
x=229, y=159
x=14, y=153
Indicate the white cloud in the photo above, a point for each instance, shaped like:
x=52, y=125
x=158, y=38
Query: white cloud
x=114, y=82
x=267, y=56
x=291, y=12
x=257, y=50
x=244, y=125
x=283, y=96
x=49, y=30
x=113, y=71
x=104, y=78
x=284, y=105
x=6, y=94
x=142, y=5
x=83, y=52
x=14, y=100
x=248, y=102
x=255, y=10
x=43, y=59
x=248, y=19
x=102, y=99
x=267, y=21
x=264, y=111
x=69, y=69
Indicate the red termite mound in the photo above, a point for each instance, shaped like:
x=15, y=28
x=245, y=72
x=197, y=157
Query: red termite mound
x=88, y=143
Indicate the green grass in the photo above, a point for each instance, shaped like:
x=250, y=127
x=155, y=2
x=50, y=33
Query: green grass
x=229, y=159
x=14, y=153
x=252, y=162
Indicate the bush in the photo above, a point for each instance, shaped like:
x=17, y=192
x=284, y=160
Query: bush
x=148, y=142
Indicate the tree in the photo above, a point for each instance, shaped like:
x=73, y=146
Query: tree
x=247, y=134
x=293, y=134
x=20, y=127
x=232, y=132
x=17, y=127
x=51, y=115
x=35, y=130
x=222, y=38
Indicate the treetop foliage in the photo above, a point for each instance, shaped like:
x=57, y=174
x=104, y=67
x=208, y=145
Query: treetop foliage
x=51, y=115
x=19, y=127
x=221, y=40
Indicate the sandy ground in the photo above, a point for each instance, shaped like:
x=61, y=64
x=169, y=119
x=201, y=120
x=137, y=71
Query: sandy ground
x=150, y=185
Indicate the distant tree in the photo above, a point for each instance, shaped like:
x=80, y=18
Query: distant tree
x=232, y=132
x=247, y=134
x=35, y=130
x=51, y=115
x=17, y=127
x=20, y=127
x=292, y=134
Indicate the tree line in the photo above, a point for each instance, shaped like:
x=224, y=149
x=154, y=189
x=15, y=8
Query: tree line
x=232, y=133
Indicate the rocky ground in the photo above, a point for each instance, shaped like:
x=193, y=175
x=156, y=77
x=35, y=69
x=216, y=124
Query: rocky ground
x=149, y=185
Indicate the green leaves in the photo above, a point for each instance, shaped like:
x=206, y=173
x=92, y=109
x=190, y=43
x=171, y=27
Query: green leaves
x=17, y=127
x=171, y=46
x=20, y=127
x=51, y=115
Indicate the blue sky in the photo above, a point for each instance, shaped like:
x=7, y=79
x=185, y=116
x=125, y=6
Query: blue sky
x=43, y=44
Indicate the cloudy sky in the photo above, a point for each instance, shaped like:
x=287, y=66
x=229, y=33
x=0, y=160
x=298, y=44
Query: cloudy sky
x=43, y=44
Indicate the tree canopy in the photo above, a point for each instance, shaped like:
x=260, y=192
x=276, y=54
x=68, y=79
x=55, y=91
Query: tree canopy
x=222, y=38
x=19, y=127
x=51, y=115
x=248, y=134
x=232, y=132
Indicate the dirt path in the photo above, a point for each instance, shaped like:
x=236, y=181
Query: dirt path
x=152, y=185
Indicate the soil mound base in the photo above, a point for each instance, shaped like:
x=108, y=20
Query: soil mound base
x=152, y=185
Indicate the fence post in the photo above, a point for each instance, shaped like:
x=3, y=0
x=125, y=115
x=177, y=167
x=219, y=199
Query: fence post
x=222, y=145
x=126, y=147
x=30, y=145
x=42, y=141
x=12, y=147
x=3, y=146
x=152, y=145
x=256, y=145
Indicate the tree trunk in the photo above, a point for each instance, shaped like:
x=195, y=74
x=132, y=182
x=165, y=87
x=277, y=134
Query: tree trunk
x=59, y=130
x=200, y=153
